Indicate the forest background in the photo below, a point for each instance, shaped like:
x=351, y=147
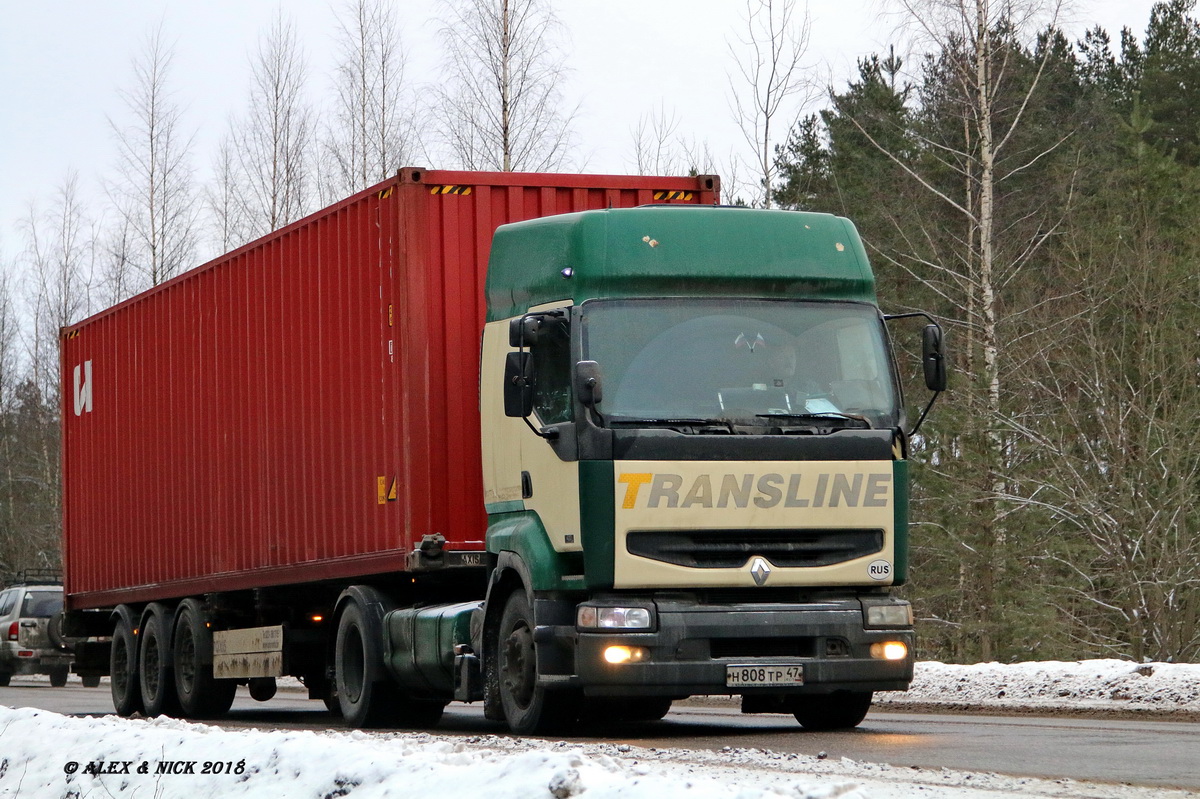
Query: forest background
x=1037, y=192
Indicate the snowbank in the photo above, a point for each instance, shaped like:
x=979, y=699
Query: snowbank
x=1089, y=685
x=46, y=755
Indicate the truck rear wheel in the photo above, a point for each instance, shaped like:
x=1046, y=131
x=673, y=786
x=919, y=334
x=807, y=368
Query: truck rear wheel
x=58, y=676
x=5, y=678
x=840, y=710
x=200, y=695
x=528, y=707
x=122, y=665
x=156, y=677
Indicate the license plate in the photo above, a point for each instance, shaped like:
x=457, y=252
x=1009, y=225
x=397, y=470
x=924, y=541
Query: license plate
x=772, y=676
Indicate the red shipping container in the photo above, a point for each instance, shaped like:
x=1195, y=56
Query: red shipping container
x=305, y=407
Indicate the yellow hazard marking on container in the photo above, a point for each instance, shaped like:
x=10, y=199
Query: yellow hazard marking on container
x=390, y=314
x=383, y=195
x=391, y=495
x=382, y=490
x=73, y=334
x=464, y=190
x=668, y=196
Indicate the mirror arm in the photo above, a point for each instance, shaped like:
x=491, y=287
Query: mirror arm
x=547, y=433
x=924, y=413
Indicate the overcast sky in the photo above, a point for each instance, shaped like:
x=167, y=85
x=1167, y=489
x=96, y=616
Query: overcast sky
x=63, y=63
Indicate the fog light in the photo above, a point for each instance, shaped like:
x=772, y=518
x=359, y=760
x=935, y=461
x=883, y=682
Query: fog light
x=889, y=650
x=624, y=654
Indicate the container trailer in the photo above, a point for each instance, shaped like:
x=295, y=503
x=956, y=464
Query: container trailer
x=548, y=442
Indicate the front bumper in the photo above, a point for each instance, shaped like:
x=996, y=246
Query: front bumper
x=694, y=643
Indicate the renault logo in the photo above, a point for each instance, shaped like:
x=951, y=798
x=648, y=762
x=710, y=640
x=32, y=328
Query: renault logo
x=760, y=571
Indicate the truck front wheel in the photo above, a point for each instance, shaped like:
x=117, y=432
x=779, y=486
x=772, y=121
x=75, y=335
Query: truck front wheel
x=364, y=695
x=840, y=710
x=528, y=707
x=122, y=665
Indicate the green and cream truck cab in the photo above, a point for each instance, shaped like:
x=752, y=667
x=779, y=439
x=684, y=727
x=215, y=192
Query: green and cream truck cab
x=695, y=471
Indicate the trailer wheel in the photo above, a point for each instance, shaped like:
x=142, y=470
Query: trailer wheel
x=5, y=678
x=90, y=680
x=840, y=710
x=528, y=708
x=156, y=677
x=364, y=695
x=122, y=665
x=200, y=695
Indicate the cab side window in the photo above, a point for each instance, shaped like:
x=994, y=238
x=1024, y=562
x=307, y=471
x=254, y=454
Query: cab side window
x=552, y=373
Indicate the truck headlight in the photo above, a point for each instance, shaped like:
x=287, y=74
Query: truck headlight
x=591, y=617
x=892, y=615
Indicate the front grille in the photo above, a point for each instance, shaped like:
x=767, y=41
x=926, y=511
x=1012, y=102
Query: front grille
x=731, y=549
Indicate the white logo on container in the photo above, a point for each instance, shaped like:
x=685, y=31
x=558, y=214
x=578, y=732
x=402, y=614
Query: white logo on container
x=83, y=388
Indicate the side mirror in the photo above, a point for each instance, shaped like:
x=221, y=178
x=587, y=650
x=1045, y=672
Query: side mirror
x=588, y=383
x=523, y=331
x=518, y=385
x=933, y=358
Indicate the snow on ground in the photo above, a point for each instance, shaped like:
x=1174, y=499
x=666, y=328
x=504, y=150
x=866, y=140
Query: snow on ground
x=44, y=754
x=1091, y=685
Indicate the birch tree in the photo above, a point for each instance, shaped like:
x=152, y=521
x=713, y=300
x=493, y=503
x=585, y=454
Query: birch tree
x=370, y=135
x=502, y=104
x=270, y=178
x=984, y=81
x=59, y=263
x=768, y=82
x=658, y=148
x=153, y=188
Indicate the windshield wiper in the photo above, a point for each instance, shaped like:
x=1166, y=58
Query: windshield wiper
x=724, y=424
x=824, y=416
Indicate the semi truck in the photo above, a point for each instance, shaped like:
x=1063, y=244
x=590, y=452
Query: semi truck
x=572, y=446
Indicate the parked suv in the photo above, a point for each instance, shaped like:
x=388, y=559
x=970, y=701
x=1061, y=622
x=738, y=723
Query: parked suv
x=26, y=645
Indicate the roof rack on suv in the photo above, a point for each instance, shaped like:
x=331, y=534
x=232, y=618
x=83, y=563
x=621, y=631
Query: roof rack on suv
x=31, y=577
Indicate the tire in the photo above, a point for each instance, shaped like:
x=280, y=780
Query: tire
x=841, y=710
x=58, y=676
x=364, y=695
x=5, y=679
x=156, y=677
x=528, y=708
x=54, y=631
x=201, y=696
x=122, y=665
x=90, y=680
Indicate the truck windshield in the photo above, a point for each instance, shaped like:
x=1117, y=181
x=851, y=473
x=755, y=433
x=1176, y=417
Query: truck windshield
x=777, y=362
